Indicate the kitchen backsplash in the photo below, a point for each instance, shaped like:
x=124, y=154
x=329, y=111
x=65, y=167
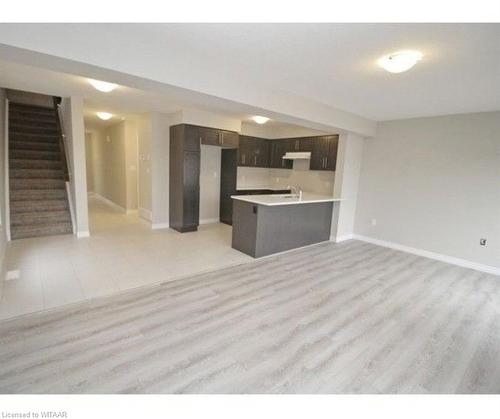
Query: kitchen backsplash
x=308, y=180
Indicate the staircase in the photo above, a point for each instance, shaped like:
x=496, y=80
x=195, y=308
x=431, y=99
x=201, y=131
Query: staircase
x=38, y=199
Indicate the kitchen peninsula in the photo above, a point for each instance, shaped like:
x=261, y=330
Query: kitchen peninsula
x=268, y=224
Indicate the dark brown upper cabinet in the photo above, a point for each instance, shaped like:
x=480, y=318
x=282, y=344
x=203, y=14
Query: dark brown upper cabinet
x=278, y=150
x=229, y=139
x=253, y=152
x=217, y=137
x=209, y=136
x=324, y=152
x=299, y=144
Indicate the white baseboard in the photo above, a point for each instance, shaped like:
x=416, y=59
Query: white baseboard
x=160, y=226
x=132, y=212
x=145, y=213
x=109, y=202
x=82, y=234
x=341, y=238
x=210, y=221
x=431, y=255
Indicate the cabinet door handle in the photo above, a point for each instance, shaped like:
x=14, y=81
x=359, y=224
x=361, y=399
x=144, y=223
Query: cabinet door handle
x=255, y=160
x=243, y=158
x=326, y=162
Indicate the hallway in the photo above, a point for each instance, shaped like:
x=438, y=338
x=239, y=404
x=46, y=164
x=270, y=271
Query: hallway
x=122, y=253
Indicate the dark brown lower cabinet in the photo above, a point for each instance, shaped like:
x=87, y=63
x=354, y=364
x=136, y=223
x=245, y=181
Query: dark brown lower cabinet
x=229, y=163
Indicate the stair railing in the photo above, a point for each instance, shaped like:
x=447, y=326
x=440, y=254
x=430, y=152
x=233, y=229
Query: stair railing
x=65, y=158
x=7, y=173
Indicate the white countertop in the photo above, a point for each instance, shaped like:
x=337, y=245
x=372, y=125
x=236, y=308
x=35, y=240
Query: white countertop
x=271, y=188
x=289, y=199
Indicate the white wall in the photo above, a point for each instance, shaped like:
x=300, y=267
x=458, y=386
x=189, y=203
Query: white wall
x=205, y=119
x=3, y=203
x=434, y=184
x=144, y=171
x=210, y=160
x=350, y=154
x=160, y=158
x=112, y=163
x=72, y=119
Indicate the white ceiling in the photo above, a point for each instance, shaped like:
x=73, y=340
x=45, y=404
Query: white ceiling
x=123, y=102
x=333, y=64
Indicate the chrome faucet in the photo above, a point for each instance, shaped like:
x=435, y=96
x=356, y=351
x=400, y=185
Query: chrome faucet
x=296, y=190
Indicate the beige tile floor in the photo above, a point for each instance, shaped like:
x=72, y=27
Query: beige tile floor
x=122, y=253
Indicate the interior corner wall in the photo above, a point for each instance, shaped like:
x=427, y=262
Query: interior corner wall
x=131, y=155
x=434, y=184
x=346, y=185
x=160, y=158
x=144, y=130
x=3, y=203
x=72, y=119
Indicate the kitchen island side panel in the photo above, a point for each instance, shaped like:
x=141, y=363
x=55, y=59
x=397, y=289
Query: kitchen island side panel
x=244, y=227
x=261, y=230
x=286, y=227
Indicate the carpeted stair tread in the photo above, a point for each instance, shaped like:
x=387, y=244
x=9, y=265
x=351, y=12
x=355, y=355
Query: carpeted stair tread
x=38, y=199
x=34, y=145
x=32, y=123
x=18, y=207
x=36, y=174
x=25, y=232
x=31, y=184
x=34, y=137
x=37, y=218
x=29, y=195
x=35, y=155
x=25, y=129
x=35, y=164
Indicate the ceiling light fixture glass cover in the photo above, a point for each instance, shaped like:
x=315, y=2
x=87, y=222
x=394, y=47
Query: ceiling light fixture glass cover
x=103, y=86
x=104, y=115
x=398, y=62
x=260, y=119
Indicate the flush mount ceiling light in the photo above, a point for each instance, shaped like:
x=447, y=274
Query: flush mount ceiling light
x=260, y=119
x=103, y=86
x=397, y=62
x=104, y=115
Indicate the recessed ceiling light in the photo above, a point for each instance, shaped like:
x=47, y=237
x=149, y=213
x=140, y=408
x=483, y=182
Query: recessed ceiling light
x=103, y=86
x=104, y=115
x=260, y=119
x=397, y=62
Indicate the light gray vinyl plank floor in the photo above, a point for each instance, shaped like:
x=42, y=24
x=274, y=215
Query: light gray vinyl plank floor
x=332, y=318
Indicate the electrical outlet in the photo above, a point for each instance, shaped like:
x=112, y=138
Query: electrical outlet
x=374, y=221
x=482, y=242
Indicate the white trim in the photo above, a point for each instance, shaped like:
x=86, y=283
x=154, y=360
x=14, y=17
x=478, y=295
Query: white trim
x=82, y=234
x=107, y=201
x=145, y=213
x=210, y=221
x=6, y=173
x=431, y=255
x=341, y=238
x=159, y=226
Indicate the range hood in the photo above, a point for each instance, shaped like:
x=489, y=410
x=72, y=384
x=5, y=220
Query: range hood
x=298, y=155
